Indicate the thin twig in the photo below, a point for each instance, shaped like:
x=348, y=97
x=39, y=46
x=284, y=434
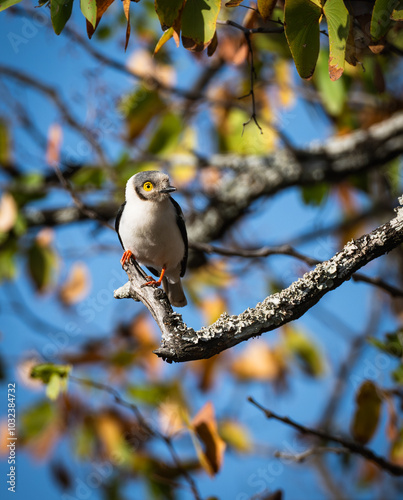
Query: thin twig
x=352, y=446
x=91, y=214
x=288, y=250
x=300, y=457
x=142, y=421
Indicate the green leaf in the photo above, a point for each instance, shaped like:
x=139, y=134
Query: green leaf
x=314, y=195
x=139, y=108
x=199, y=19
x=306, y=351
x=166, y=136
x=397, y=14
x=44, y=371
x=367, y=413
x=168, y=11
x=89, y=10
x=54, y=376
x=41, y=264
x=89, y=177
x=333, y=96
x=5, y=4
x=338, y=22
x=36, y=419
x=265, y=8
x=397, y=375
x=8, y=251
x=392, y=343
x=155, y=394
x=60, y=12
x=380, y=20
x=5, y=150
x=302, y=32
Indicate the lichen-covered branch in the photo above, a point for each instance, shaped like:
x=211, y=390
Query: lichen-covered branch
x=180, y=343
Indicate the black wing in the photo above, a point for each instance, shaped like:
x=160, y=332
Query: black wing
x=117, y=222
x=180, y=220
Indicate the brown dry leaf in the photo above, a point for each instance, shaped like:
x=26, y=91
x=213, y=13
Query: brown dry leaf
x=258, y=361
x=392, y=430
x=204, y=426
x=141, y=329
x=102, y=6
x=8, y=212
x=76, y=286
x=24, y=370
x=213, y=45
x=55, y=136
x=367, y=413
x=126, y=9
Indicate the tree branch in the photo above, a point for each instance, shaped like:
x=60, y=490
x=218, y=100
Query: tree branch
x=180, y=343
x=352, y=446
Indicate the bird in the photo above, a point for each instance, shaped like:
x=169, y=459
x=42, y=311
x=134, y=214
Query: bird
x=151, y=229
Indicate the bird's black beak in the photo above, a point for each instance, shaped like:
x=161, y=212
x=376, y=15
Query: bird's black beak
x=169, y=189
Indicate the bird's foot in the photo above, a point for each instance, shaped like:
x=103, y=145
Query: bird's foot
x=127, y=255
x=152, y=280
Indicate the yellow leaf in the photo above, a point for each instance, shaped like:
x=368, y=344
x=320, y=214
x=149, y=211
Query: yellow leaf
x=167, y=35
x=110, y=432
x=204, y=430
x=367, y=413
x=77, y=285
x=126, y=8
x=8, y=212
x=258, y=361
x=183, y=174
x=236, y=435
x=284, y=79
x=54, y=144
x=212, y=308
x=396, y=452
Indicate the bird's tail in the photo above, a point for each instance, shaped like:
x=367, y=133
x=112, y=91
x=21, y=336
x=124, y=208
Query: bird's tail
x=175, y=293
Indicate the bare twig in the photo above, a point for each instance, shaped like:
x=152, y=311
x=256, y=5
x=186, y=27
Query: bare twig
x=351, y=446
x=88, y=212
x=316, y=450
x=288, y=250
x=146, y=426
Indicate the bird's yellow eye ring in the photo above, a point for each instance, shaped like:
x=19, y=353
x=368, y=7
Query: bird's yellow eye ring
x=147, y=186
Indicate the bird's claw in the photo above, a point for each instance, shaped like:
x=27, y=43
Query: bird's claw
x=126, y=256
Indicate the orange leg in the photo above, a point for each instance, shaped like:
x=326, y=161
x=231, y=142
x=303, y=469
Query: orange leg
x=126, y=256
x=153, y=282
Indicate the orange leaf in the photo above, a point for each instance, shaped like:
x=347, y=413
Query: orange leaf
x=258, y=361
x=76, y=286
x=204, y=426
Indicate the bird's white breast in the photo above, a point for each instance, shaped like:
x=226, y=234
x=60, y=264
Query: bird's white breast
x=150, y=231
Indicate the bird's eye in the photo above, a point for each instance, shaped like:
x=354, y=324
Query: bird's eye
x=147, y=186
